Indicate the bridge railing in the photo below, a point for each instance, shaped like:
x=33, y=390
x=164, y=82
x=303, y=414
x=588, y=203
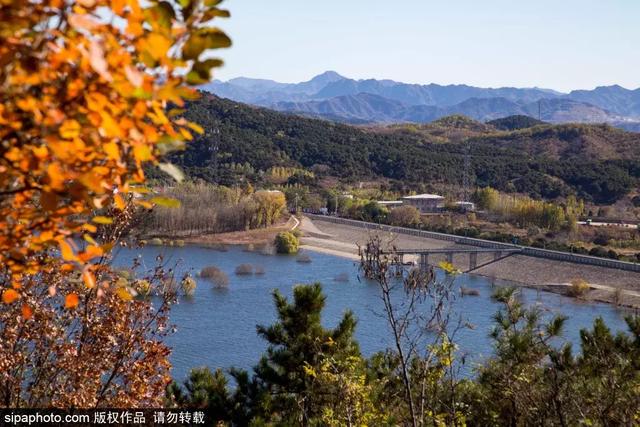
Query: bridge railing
x=524, y=250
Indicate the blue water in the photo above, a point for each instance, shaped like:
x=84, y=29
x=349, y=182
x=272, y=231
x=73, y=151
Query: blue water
x=217, y=327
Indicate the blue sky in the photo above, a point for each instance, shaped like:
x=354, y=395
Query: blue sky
x=559, y=44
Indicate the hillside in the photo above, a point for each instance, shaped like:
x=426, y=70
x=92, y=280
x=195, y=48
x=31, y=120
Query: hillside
x=241, y=142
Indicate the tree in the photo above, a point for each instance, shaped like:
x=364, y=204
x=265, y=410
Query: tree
x=90, y=93
x=286, y=243
x=486, y=198
x=68, y=345
x=298, y=345
x=404, y=216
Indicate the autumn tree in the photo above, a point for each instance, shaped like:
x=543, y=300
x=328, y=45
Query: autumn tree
x=90, y=91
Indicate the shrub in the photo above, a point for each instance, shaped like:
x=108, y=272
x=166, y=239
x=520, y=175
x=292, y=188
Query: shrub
x=244, y=269
x=156, y=241
x=188, y=285
x=286, y=243
x=180, y=242
x=215, y=276
x=578, y=288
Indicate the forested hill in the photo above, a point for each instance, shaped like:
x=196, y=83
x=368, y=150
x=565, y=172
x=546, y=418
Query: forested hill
x=595, y=161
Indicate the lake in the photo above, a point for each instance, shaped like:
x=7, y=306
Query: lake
x=217, y=327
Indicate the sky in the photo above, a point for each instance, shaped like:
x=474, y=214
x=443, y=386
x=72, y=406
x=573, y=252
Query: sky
x=556, y=44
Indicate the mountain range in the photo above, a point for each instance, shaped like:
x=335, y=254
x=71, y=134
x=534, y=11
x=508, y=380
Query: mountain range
x=332, y=96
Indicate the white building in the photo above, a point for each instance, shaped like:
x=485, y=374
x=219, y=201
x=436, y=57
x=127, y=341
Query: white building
x=425, y=202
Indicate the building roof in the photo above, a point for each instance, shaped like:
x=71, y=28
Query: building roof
x=389, y=202
x=424, y=196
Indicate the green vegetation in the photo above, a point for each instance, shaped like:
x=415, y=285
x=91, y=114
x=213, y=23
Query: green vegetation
x=286, y=243
x=242, y=143
x=313, y=376
x=515, y=122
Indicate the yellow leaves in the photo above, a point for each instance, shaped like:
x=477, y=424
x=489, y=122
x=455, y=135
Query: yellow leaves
x=90, y=228
x=448, y=267
x=109, y=127
x=80, y=137
x=196, y=127
x=56, y=176
x=105, y=220
x=119, y=202
x=69, y=129
x=40, y=152
x=71, y=301
x=166, y=202
x=142, y=153
x=124, y=293
x=112, y=150
x=9, y=296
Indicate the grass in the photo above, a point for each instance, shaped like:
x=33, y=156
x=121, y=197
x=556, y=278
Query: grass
x=578, y=288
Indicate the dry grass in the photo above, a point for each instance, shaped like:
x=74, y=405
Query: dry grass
x=578, y=288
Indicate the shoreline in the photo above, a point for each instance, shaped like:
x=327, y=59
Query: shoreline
x=558, y=288
x=615, y=287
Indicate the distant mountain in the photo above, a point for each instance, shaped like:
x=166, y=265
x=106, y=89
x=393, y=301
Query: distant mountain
x=332, y=96
x=370, y=108
x=614, y=98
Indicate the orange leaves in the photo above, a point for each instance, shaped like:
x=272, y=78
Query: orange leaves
x=69, y=129
x=26, y=311
x=9, y=296
x=65, y=251
x=88, y=278
x=83, y=112
x=71, y=301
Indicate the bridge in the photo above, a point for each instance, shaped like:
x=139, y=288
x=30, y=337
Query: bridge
x=423, y=254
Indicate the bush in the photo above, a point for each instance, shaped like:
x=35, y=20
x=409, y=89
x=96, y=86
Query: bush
x=215, y=276
x=244, y=269
x=188, y=285
x=578, y=288
x=286, y=243
x=156, y=241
